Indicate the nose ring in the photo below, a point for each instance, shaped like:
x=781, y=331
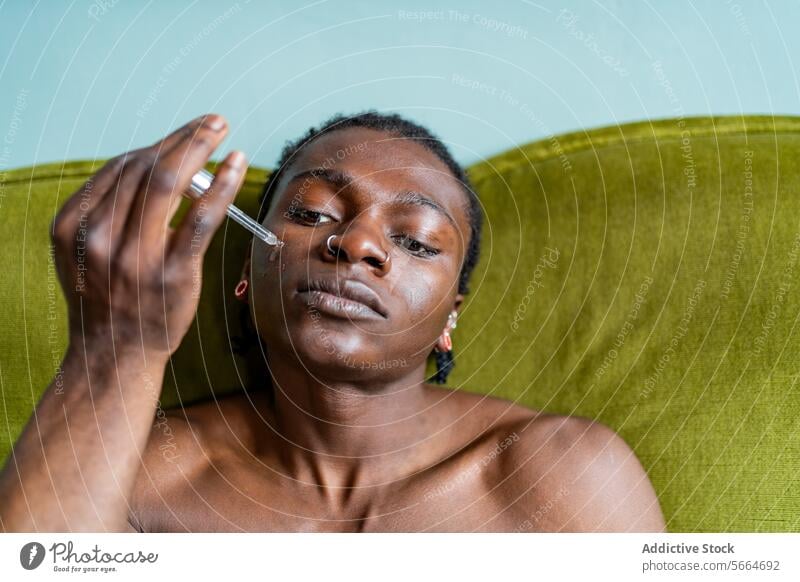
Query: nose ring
x=328, y=244
x=333, y=252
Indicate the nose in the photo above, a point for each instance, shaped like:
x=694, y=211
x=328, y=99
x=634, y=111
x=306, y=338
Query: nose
x=358, y=243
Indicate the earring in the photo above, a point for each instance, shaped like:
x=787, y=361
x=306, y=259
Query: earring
x=448, y=342
x=241, y=289
x=451, y=319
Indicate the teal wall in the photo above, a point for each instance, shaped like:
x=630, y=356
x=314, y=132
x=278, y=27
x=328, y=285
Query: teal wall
x=87, y=79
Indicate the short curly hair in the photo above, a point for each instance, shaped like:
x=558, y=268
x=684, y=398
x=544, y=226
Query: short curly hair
x=397, y=126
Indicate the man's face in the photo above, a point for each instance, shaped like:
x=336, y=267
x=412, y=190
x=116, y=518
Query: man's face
x=383, y=197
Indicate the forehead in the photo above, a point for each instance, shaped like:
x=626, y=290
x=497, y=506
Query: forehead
x=384, y=164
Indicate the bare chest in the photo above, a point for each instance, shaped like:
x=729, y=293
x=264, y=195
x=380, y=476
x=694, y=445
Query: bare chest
x=452, y=499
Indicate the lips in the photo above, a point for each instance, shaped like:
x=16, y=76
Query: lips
x=343, y=297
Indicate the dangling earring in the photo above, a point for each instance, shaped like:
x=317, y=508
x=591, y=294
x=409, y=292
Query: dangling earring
x=241, y=289
x=448, y=341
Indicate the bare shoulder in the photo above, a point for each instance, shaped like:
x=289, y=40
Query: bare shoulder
x=552, y=472
x=182, y=444
x=572, y=473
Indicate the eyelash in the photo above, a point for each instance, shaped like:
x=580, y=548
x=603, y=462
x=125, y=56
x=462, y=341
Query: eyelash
x=301, y=216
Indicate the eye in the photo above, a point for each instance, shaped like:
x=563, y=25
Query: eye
x=307, y=217
x=415, y=247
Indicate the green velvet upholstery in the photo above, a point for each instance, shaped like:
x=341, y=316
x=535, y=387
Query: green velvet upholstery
x=645, y=275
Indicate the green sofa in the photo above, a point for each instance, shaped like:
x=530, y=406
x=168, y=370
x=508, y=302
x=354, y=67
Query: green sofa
x=645, y=275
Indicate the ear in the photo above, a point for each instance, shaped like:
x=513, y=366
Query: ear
x=459, y=299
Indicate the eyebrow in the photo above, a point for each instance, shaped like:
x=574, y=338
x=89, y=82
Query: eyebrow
x=341, y=180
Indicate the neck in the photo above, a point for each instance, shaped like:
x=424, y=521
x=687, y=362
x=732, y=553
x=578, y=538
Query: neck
x=361, y=430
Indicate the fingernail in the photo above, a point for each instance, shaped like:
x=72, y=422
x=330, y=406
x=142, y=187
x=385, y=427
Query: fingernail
x=214, y=122
x=237, y=160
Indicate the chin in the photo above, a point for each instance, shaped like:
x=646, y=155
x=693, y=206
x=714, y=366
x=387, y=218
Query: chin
x=331, y=346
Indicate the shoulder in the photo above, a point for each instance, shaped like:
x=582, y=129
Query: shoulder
x=182, y=444
x=577, y=474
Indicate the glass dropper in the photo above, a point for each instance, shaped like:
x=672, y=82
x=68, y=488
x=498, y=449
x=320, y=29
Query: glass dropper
x=201, y=182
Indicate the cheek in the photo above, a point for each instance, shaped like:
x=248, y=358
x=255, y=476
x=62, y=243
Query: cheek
x=266, y=269
x=269, y=283
x=427, y=295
